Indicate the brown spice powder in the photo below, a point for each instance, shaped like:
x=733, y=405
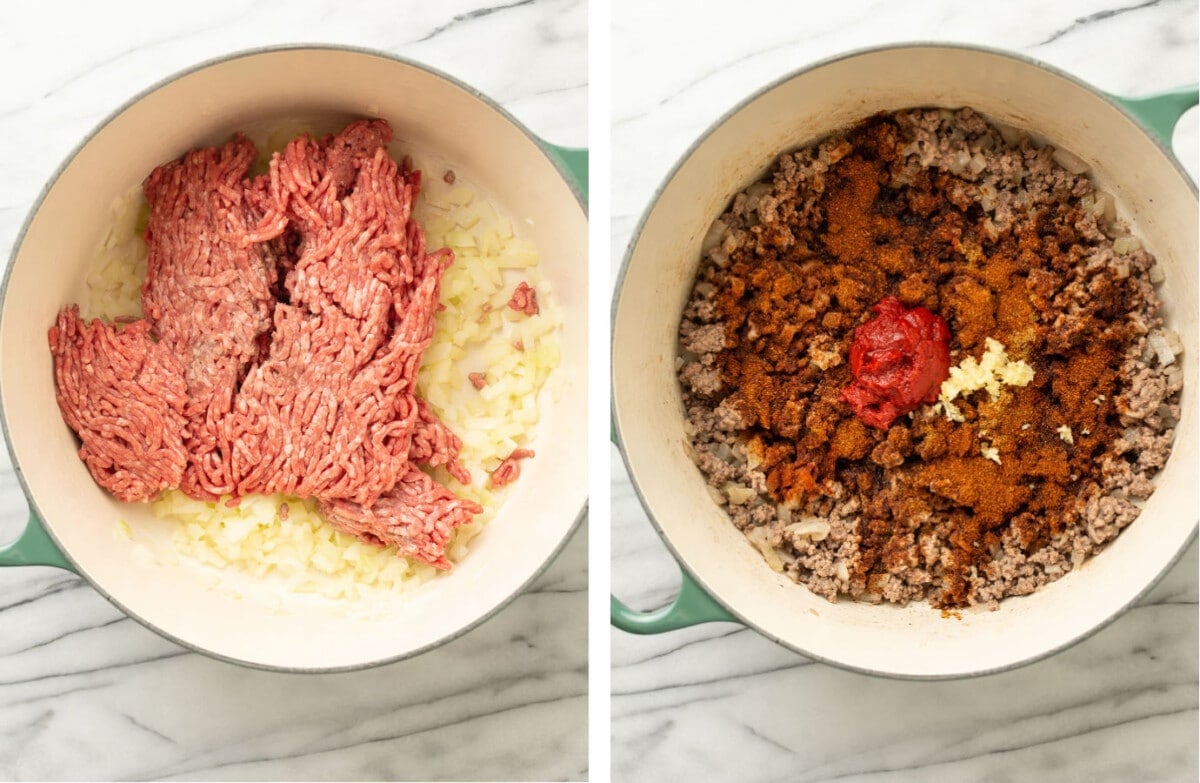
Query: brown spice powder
x=793, y=298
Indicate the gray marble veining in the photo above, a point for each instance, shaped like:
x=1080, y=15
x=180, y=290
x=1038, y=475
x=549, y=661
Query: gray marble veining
x=722, y=703
x=87, y=693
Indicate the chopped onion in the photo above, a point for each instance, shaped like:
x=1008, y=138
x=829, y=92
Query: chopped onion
x=722, y=452
x=843, y=573
x=719, y=257
x=958, y=163
x=754, y=194
x=1158, y=342
x=1156, y=274
x=716, y=232
x=1012, y=136
x=739, y=495
x=1174, y=341
x=1121, y=268
x=977, y=164
x=1069, y=161
x=758, y=537
x=1104, y=208
x=816, y=529
x=784, y=514
x=1126, y=245
x=988, y=191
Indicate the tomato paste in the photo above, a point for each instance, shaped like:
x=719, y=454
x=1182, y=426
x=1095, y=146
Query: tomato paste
x=899, y=359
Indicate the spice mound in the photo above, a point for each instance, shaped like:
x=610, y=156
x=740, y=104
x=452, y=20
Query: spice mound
x=286, y=316
x=899, y=359
x=923, y=360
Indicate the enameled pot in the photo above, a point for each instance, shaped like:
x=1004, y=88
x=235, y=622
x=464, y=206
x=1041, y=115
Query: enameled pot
x=725, y=577
x=540, y=186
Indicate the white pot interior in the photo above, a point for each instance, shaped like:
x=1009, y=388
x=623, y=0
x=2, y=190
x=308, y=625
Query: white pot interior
x=431, y=117
x=914, y=641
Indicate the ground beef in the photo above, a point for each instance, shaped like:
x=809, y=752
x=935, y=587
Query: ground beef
x=124, y=394
x=207, y=292
x=417, y=516
x=983, y=228
x=295, y=308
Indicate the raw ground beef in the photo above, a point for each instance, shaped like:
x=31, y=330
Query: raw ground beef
x=124, y=394
x=985, y=228
x=285, y=320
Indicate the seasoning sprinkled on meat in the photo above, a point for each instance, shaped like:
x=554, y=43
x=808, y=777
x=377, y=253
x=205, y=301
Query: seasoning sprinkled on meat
x=1051, y=330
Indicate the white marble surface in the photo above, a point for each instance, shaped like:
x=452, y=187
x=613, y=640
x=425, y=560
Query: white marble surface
x=86, y=693
x=719, y=702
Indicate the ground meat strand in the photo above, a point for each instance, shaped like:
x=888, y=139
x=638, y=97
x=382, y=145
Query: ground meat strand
x=510, y=469
x=524, y=299
x=417, y=516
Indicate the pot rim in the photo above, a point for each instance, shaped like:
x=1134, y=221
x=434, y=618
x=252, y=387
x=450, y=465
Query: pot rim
x=635, y=238
x=19, y=240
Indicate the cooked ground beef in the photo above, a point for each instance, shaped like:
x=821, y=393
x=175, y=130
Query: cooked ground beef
x=941, y=211
x=293, y=309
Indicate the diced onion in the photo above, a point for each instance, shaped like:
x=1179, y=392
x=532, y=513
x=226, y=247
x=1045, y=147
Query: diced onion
x=816, y=529
x=1126, y=245
x=739, y=495
x=1158, y=342
x=1069, y=161
x=716, y=232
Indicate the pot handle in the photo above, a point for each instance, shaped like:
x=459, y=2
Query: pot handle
x=34, y=547
x=692, y=606
x=1161, y=112
x=573, y=162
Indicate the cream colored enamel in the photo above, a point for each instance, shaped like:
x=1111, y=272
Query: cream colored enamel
x=913, y=641
x=429, y=114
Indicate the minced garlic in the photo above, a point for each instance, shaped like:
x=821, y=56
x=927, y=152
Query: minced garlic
x=1064, y=432
x=989, y=372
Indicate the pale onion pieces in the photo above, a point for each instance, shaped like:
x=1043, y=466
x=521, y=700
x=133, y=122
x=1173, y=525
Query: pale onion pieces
x=1125, y=245
x=811, y=527
x=1069, y=161
x=1104, y=208
x=300, y=554
x=739, y=495
x=115, y=278
x=716, y=233
x=759, y=536
x=1166, y=344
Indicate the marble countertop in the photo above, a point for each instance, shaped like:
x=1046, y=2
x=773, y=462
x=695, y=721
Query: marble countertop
x=86, y=692
x=720, y=702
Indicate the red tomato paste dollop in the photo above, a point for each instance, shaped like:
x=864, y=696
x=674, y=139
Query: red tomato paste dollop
x=899, y=359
